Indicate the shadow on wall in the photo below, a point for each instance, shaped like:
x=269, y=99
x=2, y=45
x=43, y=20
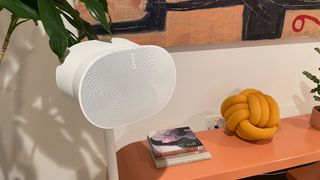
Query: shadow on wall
x=304, y=104
x=43, y=134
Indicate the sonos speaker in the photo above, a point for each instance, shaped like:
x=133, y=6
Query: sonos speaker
x=117, y=83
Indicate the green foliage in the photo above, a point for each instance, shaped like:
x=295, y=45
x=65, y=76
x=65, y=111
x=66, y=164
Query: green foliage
x=73, y=17
x=315, y=80
x=311, y=77
x=50, y=13
x=54, y=26
x=317, y=49
x=20, y=9
x=97, y=11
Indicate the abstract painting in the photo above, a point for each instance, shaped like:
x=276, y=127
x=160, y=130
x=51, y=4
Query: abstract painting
x=189, y=22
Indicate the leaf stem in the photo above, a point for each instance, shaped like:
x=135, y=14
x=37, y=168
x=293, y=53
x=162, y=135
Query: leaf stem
x=12, y=26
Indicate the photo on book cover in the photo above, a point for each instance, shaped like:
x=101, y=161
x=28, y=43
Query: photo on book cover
x=174, y=140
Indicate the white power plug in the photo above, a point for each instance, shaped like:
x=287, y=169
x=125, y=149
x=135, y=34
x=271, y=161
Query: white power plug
x=215, y=121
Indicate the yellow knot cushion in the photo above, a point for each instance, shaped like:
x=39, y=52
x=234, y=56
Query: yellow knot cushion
x=251, y=114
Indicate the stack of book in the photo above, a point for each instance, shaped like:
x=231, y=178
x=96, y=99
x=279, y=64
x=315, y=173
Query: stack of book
x=175, y=146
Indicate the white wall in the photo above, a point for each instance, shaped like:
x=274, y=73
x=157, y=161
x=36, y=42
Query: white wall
x=44, y=136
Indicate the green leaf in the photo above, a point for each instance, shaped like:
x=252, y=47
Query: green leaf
x=58, y=46
x=73, y=17
x=311, y=77
x=81, y=25
x=19, y=9
x=317, y=49
x=54, y=27
x=89, y=31
x=66, y=7
x=316, y=89
x=1, y=8
x=104, y=5
x=317, y=98
x=31, y=3
x=73, y=21
x=72, y=39
x=96, y=10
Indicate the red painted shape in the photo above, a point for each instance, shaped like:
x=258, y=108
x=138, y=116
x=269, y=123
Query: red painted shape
x=302, y=18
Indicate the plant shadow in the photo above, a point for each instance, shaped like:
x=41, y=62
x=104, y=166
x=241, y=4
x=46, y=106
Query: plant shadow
x=305, y=103
x=43, y=134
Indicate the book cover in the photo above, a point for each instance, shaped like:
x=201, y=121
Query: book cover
x=171, y=142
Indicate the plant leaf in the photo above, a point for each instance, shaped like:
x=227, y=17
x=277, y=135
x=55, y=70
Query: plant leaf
x=317, y=49
x=31, y=3
x=72, y=39
x=73, y=21
x=316, y=89
x=89, y=31
x=58, y=46
x=19, y=9
x=73, y=17
x=1, y=8
x=104, y=5
x=54, y=27
x=82, y=26
x=66, y=7
x=311, y=77
x=317, y=98
x=96, y=10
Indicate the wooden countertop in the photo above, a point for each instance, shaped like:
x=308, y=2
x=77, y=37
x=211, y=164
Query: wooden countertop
x=295, y=143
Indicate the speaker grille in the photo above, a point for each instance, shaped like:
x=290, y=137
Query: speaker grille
x=127, y=86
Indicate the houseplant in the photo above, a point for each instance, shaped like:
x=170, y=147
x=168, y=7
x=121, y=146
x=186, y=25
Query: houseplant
x=315, y=114
x=49, y=13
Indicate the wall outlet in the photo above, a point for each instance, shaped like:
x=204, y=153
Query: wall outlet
x=215, y=122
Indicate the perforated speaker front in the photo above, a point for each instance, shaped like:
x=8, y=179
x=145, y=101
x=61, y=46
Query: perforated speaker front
x=126, y=86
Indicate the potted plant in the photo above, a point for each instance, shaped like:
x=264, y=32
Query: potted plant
x=315, y=114
x=50, y=13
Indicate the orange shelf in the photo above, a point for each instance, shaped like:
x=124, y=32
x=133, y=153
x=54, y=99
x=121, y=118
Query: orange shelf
x=295, y=143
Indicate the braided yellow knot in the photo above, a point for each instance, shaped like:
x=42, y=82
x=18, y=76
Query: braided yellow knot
x=251, y=114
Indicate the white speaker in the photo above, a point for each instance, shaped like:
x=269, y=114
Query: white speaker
x=117, y=84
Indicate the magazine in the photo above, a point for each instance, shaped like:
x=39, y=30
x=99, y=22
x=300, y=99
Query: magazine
x=175, y=146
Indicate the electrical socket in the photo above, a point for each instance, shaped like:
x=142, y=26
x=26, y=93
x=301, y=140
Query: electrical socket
x=215, y=121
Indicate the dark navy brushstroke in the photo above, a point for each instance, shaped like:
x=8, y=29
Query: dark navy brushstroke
x=262, y=19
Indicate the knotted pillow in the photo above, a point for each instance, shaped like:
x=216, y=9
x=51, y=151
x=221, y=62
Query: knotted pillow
x=251, y=114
